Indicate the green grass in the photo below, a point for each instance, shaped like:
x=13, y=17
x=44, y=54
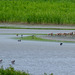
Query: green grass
x=33, y=38
x=9, y=27
x=41, y=39
x=11, y=71
x=6, y=27
x=38, y=11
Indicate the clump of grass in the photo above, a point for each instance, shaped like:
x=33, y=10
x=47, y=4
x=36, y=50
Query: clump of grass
x=9, y=27
x=10, y=71
x=38, y=11
x=47, y=74
x=34, y=38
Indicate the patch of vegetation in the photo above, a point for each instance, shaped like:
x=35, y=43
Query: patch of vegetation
x=34, y=38
x=11, y=71
x=9, y=27
x=6, y=27
x=38, y=11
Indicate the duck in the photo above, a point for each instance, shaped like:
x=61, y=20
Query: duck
x=19, y=40
x=1, y=60
x=13, y=61
x=61, y=43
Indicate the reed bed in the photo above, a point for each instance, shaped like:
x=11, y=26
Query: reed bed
x=38, y=11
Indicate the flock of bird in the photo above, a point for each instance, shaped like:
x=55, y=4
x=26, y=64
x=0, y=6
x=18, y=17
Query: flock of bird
x=19, y=40
x=13, y=61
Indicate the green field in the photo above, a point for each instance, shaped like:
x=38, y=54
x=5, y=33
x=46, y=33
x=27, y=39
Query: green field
x=38, y=11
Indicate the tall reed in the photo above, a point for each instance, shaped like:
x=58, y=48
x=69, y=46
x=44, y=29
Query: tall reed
x=38, y=11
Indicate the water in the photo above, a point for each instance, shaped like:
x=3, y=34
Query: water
x=34, y=31
x=38, y=57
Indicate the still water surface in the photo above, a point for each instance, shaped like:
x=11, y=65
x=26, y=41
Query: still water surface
x=38, y=57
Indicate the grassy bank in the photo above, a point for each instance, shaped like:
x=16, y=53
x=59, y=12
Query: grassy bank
x=11, y=71
x=38, y=11
x=9, y=27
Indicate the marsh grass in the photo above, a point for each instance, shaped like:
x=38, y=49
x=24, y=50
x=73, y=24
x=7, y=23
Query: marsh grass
x=35, y=38
x=38, y=11
x=9, y=27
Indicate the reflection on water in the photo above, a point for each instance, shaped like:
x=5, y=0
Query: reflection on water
x=38, y=57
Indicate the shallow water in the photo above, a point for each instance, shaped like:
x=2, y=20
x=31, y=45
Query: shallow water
x=34, y=31
x=38, y=57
